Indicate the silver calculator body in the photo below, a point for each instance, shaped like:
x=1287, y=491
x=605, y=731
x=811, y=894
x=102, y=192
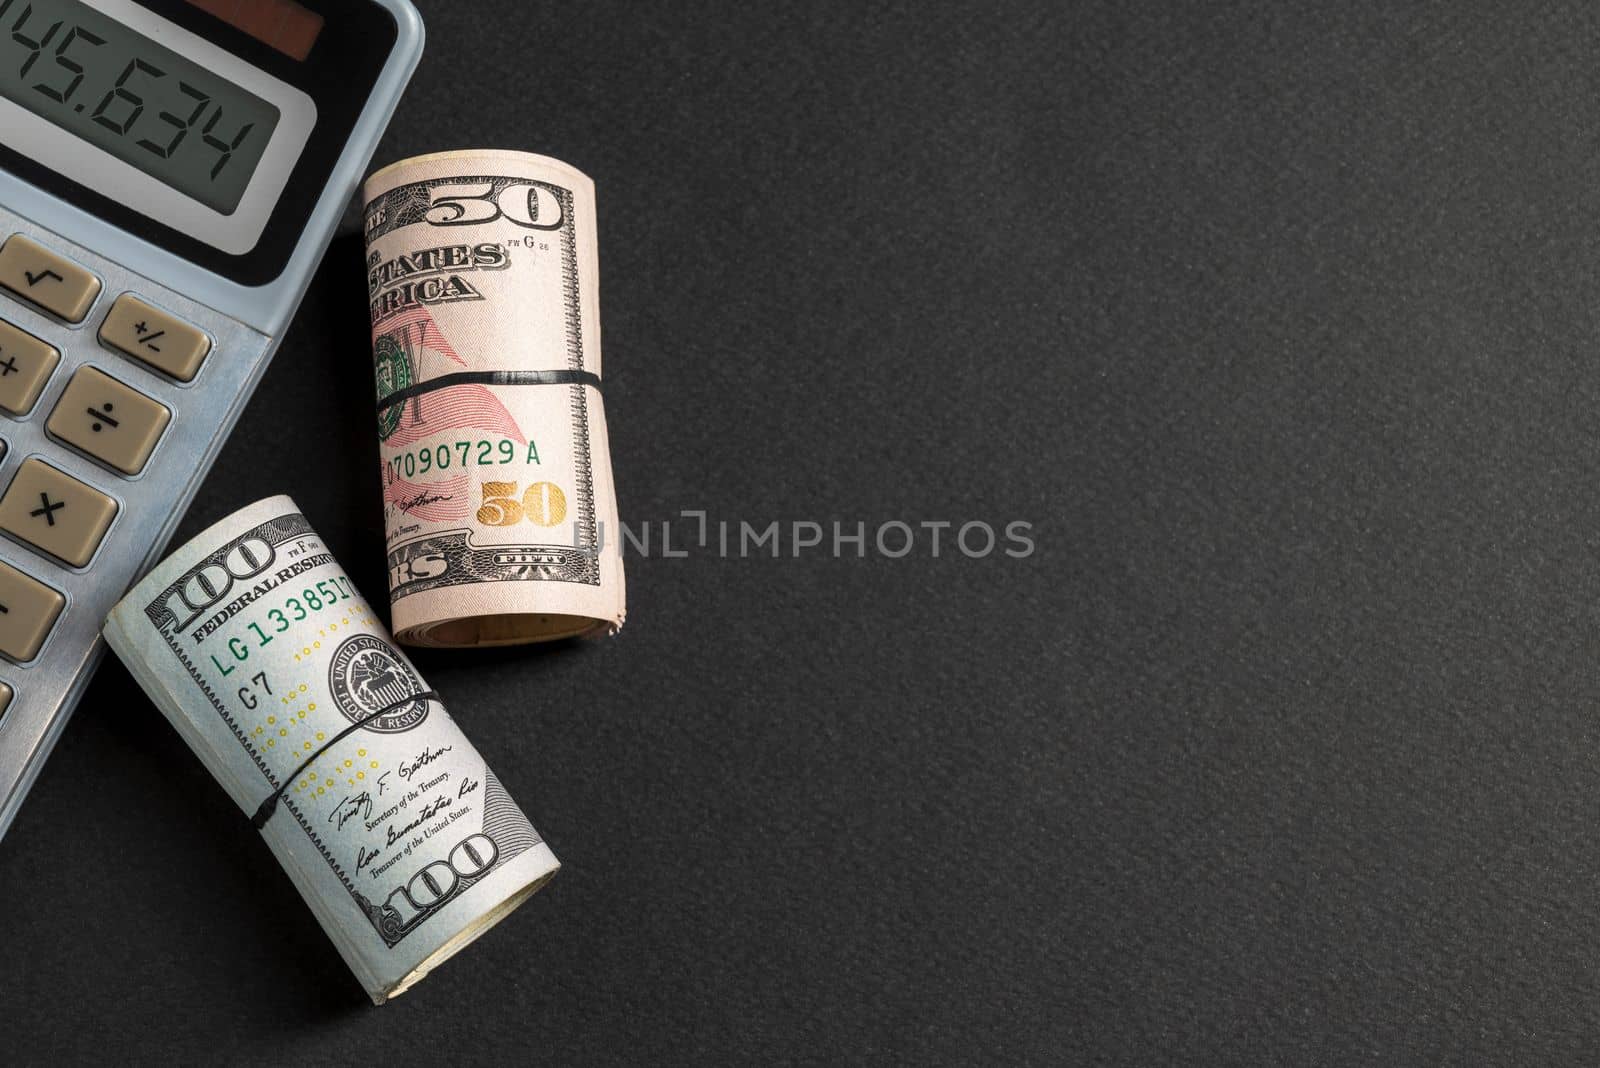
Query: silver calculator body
x=161, y=282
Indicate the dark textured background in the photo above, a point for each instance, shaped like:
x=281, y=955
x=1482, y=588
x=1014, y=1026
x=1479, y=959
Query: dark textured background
x=1278, y=319
x=809, y=809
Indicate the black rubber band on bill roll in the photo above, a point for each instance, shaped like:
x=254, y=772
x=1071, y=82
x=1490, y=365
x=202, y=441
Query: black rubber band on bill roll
x=491, y=378
x=270, y=805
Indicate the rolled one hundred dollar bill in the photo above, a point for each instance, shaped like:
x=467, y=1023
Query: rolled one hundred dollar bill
x=499, y=506
x=256, y=646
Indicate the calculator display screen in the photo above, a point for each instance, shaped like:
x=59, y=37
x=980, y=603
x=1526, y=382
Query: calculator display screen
x=223, y=154
x=166, y=115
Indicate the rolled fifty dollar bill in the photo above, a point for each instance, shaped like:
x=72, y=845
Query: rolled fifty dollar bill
x=499, y=506
x=256, y=646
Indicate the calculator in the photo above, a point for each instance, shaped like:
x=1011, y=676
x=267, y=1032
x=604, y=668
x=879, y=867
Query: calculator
x=171, y=172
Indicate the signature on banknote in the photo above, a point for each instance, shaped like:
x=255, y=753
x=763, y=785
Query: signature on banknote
x=408, y=504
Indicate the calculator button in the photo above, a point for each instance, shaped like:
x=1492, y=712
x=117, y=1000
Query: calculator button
x=55, y=512
x=151, y=335
x=108, y=420
x=28, y=609
x=26, y=364
x=5, y=698
x=36, y=274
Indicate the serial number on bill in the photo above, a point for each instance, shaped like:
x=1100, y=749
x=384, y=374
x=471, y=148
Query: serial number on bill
x=446, y=455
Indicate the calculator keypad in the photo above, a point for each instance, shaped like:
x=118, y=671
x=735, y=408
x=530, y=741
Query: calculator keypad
x=53, y=511
x=147, y=333
x=61, y=516
x=28, y=609
x=26, y=364
x=114, y=423
x=84, y=510
x=46, y=279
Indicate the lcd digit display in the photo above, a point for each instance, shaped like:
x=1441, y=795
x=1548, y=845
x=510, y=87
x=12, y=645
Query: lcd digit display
x=145, y=104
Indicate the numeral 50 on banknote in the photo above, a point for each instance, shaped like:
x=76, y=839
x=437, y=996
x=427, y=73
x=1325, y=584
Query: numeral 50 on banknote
x=543, y=504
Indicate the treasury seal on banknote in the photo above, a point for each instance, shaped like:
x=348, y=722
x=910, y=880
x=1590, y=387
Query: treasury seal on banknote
x=374, y=686
x=393, y=372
